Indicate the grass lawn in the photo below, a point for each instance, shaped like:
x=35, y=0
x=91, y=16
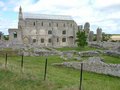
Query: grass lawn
x=58, y=78
x=6, y=49
x=86, y=48
x=110, y=59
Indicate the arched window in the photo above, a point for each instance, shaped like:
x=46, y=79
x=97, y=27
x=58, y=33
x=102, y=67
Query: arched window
x=42, y=24
x=70, y=25
x=57, y=39
x=34, y=40
x=15, y=34
x=49, y=40
x=56, y=24
x=49, y=32
x=34, y=24
x=42, y=40
x=63, y=39
x=49, y=24
x=64, y=32
x=64, y=25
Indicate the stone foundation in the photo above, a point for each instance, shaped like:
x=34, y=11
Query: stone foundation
x=95, y=64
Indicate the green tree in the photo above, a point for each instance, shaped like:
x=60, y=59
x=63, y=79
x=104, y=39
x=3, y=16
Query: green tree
x=95, y=37
x=106, y=37
x=81, y=39
x=6, y=37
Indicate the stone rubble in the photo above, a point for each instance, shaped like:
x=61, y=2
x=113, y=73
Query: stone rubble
x=112, y=53
x=94, y=64
x=88, y=53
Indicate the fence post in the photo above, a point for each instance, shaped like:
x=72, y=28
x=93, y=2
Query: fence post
x=22, y=63
x=45, y=69
x=6, y=61
x=80, y=88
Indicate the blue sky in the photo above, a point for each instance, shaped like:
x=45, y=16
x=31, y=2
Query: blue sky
x=99, y=13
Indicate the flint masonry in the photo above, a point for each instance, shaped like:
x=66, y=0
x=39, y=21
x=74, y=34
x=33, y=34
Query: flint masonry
x=44, y=30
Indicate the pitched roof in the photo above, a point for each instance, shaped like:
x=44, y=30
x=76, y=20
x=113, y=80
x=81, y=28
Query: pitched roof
x=45, y=16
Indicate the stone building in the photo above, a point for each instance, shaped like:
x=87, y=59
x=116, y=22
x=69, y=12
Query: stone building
x=44, y=30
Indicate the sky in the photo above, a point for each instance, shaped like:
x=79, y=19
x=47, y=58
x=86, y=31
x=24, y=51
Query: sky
x=104, y=14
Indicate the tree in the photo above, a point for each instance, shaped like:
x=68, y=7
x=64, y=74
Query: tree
x=6, y=37
x=81, y=39
x=95, y=37
x=106, y=37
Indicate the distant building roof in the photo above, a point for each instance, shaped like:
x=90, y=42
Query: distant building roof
x=45, y=16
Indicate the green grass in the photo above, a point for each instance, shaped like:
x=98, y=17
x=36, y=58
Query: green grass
x=7, y=49
x=115, y=34
x=58, y=78
x=110, y=59
x=76, y=48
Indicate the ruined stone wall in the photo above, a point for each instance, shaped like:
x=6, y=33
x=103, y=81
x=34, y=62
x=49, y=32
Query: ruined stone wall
x=37, y=29
x=105, y=45
x=95, y=64
x=17, y=39
x=91, y=36
x=99, y=34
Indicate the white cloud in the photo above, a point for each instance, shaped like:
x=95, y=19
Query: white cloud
x=104, y=3
x=93, y=11
x=50, y=4
x=5, y=24
x=115, y=15
x=1, y=4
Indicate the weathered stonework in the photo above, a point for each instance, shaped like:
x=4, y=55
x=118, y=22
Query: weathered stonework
x=118, y=49
x=99, y=34
x=88, y=53
x=106, y=45
x=112, y=53
x=44, y=30
x=87, y=28
x=68, y=55
x=91, y=36
x=94, y=64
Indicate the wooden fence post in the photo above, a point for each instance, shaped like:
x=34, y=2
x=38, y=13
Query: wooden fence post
x=22, y=63
x=5, y=60
x=80, y=88
x=45, y=69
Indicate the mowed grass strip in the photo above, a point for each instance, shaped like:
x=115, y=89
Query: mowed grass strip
x=58, y=78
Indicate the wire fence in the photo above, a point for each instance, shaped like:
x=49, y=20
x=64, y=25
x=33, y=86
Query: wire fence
x=14, y=62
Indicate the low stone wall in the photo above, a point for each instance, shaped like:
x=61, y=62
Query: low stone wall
x=118, y=49
x=67, y=55
x=95, y=45
x=88, y=53
x=112, y=53
x=95, y=64
x=105, y=45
